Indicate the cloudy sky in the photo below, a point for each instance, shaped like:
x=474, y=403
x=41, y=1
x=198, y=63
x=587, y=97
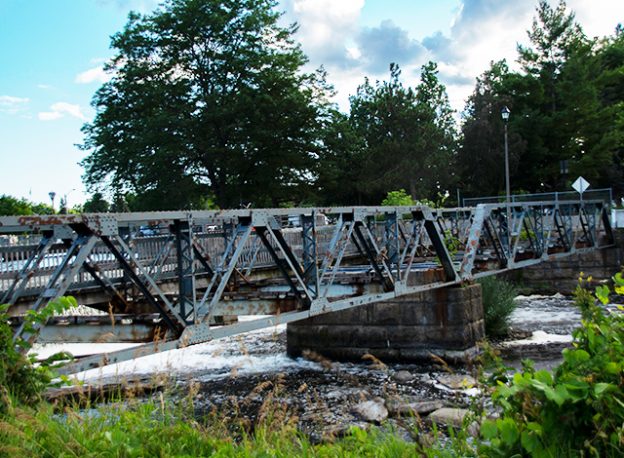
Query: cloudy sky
x=52, y=51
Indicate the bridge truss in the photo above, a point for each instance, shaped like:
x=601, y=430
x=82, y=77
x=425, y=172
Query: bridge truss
x=190, y=274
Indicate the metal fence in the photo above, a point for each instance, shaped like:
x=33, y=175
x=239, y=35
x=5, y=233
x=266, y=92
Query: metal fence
x=604, y=194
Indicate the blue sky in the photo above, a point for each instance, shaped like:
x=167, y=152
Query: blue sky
x=52, y=51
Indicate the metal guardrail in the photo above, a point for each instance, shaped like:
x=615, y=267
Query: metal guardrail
x=251, y=264
x=604, y=194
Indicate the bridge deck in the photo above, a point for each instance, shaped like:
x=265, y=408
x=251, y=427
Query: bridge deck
x=195, y=271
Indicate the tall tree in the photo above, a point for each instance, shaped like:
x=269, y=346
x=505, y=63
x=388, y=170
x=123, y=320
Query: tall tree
x=407, y=135
x=543, y=98
x=206, y=97
x=480, y=158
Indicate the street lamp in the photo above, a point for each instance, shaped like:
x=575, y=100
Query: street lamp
x=505, y=112
x=66, y=204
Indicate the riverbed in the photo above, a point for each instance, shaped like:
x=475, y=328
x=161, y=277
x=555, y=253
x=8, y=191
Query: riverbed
x=326, y=397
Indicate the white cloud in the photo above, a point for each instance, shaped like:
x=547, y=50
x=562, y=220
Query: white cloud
x=49, y=115
x=481, y=32
x=325, y=27
x=142, y=6
x=95, y=74
x=60, y=109
x=12, y=105
x=598, y=17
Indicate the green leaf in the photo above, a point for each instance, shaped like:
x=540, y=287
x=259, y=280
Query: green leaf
x=509, y=433
x=601, y=388
x=530, y=441
x=489, y=429
x=602, y=293
x=543, y=376
x=557, y=396
x=575, y=357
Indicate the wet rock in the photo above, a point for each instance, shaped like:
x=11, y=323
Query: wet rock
x=448, y=416
x=411, y=407
x=403, y=376
x=372, y=411
x=457, y=381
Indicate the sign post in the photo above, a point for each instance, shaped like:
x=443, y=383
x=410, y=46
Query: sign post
x=580, y=186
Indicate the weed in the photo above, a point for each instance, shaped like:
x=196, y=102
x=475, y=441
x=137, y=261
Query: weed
x=498, y=305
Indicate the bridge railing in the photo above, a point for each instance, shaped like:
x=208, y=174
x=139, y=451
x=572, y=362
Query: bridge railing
x=602, y=194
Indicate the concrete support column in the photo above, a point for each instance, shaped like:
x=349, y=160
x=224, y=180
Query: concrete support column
x=446, y=321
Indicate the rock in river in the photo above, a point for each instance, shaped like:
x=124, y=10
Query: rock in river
x=409, y=407
x=374, y=410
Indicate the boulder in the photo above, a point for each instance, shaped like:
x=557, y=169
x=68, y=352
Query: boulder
x=448, y=416
x=411, y=407
x=457, y=381
x=372, y=411
x=403, y=376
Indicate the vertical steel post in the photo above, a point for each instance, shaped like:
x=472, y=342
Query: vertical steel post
x=308, y=233
x=392, y=242
x=183, y=231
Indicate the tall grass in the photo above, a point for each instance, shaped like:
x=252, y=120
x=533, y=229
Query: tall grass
x=156, y=429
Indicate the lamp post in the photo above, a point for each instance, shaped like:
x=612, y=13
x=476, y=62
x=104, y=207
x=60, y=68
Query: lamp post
x=505, y=115
x=66, y=204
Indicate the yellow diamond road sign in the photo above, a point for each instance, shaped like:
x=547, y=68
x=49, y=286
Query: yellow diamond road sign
x=580, y=185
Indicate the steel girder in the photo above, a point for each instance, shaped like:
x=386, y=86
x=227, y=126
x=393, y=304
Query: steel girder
x=366, y=255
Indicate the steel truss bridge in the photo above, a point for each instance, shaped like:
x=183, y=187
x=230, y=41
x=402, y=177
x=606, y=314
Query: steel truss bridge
x=188, y=280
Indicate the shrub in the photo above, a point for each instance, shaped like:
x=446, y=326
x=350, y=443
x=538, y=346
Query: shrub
x=579, y=409
x=20, y=378
x=498, y=304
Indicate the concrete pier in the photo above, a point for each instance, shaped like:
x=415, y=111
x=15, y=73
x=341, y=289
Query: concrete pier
x=447, y=322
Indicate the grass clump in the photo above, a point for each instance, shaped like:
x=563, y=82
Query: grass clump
x=498, y=304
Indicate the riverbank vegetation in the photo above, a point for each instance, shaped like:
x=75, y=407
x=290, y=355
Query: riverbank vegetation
x=498, y=305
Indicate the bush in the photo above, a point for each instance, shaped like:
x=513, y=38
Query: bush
x=20, y=379
x=579, y=409
x=498, y=304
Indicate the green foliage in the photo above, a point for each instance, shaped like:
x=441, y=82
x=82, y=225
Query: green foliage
x=398, y=198
x=20, y=379
x=498, y=304
x=12, y=206
x=96, y=204
x=408, y=135
x=579, y=409
x=566, y=104
x=206, y=98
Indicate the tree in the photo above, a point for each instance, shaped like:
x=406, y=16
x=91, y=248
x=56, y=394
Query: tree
x=564, y=108
x=408, y=135
x=339, y=169
x=480, y=160
x=543, y=101
x=207, y=97
x=96, y=204
x=10, y=205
